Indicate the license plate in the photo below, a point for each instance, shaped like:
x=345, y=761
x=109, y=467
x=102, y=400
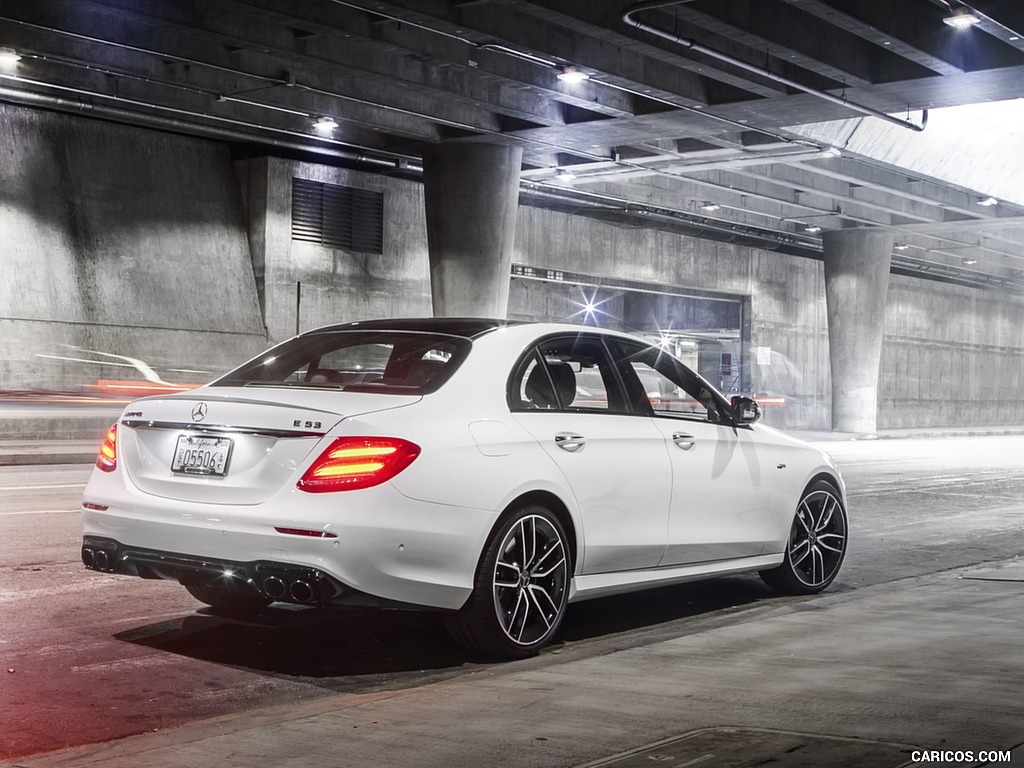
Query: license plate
x=195, y=455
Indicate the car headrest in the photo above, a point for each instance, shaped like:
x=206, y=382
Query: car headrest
x=539, y=389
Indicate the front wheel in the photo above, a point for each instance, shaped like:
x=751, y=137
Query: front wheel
x=817, y=543
x=520, y=590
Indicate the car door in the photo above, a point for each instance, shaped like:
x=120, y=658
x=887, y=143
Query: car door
x=566, y=394
x=720, y=501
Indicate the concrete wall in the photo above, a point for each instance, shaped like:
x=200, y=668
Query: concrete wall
x=118, y=242
x=336, y=285
x=951, y=356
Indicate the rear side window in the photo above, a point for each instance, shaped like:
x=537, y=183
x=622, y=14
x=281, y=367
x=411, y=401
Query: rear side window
x=389, y=362
x=572, y=373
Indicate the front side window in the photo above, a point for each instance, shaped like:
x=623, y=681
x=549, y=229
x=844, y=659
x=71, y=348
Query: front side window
x=663, y=386
x=389, y=362
x=572, y=373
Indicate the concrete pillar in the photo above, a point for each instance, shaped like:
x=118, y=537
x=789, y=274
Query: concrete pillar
x=856, y=286
x=472, y=194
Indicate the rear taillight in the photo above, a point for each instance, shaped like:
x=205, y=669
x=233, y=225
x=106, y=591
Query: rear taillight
x=351, y=463
x=107, y=460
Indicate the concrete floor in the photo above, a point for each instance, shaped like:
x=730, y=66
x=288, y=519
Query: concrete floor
x=917, y=647
x=926, y=663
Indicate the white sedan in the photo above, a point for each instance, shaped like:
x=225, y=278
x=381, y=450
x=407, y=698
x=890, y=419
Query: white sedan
x=492, y=470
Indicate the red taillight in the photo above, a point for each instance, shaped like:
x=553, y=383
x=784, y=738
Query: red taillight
x=352, y=463
x=107, y=460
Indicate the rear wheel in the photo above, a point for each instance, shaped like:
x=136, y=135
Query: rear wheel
x=227, y=601
x=520, y=590
x=817, y=543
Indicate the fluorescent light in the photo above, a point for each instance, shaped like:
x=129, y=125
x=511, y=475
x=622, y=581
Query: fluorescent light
x=831, y=152
x=572, y=75
x=900, y=247
x=708, y=205
x=962, y=19
x=325, y=125
x=812, y=228
x=9, y=55
x=988, y=201
x=565, y=174
x=969, y=262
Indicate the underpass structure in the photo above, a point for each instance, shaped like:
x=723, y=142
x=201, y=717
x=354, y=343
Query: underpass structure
x=183, y=185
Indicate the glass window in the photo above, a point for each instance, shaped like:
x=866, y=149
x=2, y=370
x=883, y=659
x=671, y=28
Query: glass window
x=664, y=386
x=572, y=373
x=390, y=362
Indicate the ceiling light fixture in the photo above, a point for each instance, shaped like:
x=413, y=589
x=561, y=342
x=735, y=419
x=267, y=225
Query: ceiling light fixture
x=572, y=75
x=900, y=247
x=324, y=125
x=970, y=262
x=812, y=228
x=709, y=205
x=564, y=174
x=9, y=55
x=988, y=201
x=961, y=19
x=831, y=152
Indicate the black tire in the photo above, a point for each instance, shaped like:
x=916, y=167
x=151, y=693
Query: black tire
x=227, y=601
x=817, y=543
x=521, y=588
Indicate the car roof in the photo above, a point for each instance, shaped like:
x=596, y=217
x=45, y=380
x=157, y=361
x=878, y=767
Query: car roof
x=467, y=327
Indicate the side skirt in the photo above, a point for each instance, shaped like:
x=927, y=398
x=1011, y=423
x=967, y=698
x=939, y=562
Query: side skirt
x=604, y=584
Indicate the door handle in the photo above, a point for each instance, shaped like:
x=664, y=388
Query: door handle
x=683, y=440
x=569, y=441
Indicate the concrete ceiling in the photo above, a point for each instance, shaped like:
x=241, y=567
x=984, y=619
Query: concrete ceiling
x=703, y=102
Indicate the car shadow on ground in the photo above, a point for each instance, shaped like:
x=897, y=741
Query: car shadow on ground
x=363, y=649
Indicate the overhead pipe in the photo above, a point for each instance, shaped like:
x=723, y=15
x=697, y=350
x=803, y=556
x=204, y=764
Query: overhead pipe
x=32, y=99
x=693, y=45
x=601, y=202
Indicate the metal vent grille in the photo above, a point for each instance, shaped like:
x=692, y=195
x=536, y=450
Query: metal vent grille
x=337, y=217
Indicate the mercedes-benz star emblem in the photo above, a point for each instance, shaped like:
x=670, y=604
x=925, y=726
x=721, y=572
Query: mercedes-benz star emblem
x=199, y=412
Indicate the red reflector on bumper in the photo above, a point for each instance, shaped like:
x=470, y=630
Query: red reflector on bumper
x=304, y=532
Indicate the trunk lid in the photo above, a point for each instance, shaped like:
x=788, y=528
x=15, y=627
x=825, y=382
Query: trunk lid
x=232, y=445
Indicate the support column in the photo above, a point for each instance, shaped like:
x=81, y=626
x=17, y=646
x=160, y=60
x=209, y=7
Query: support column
x=472, y=194
x=857, y=265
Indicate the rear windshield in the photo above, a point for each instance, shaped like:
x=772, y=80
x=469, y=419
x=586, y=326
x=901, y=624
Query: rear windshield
x=390, y=362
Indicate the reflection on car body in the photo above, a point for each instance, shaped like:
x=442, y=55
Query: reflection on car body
x=495, y=471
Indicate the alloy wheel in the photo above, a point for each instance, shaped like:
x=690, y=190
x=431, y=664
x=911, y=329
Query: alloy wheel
x=817, y=542
x=529, y=580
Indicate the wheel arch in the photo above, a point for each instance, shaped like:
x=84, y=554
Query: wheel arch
x=557, y=507
x=831, y=479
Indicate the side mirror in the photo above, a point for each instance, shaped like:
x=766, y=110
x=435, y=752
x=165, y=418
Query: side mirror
x=745, y=410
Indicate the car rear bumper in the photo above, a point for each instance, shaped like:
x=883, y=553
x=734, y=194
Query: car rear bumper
x=273, y=581
x=377, y=543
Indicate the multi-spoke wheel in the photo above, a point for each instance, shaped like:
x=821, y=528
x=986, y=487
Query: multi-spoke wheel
x=817, y=543
x=521, y=587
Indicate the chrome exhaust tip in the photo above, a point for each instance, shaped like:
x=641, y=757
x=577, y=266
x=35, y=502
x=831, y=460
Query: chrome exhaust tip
x=88, y=557
x=274, y=587
x=101, y=560
x=301, y=592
